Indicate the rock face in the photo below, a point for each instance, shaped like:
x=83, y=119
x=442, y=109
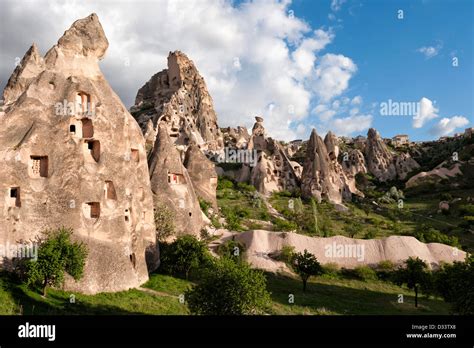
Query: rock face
x=382, y=163
x=73, y=156
x=179, y=97
x=273, y=170
x=260, y=245
x=202, y=173
x=172, y=185
x=355, y=163
x=322, y=176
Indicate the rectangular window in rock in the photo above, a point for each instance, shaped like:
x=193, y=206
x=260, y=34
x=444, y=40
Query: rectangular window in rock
x=87, y=128
x=94, y=210
x=83, y=102
x=72, y=129
x=14, y=200
x=110, y=190
x=174, y=178
x=39, y=166
x=135, y=155
x=93, y=147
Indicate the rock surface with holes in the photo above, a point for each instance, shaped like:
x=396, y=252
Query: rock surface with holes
x=323, y=177
x=73, y=156
x=172, y=186
x=178, y=96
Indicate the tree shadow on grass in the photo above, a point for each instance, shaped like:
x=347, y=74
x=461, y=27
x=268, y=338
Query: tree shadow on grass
x=339, y=299
x=56, y=303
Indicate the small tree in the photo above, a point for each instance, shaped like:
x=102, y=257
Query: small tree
x=231, y=249
x=353, y=229
x=57, y=255
x=306, y=265
x=164, y=222
x=229, y=288
x=455, y=283
x=414, y=275
x=183, y=255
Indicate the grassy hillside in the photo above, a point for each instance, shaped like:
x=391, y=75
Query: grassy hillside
x=325, y=295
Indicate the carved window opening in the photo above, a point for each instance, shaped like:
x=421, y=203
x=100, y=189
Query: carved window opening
x=133, y=260
x=39, y=166
x=110, y=190
x=15, y=197
x=87, y=128
x=174, y=178
x=83, y=102
x=94, y=210
x=135, y=155
x=72, y=129
x=93, y=147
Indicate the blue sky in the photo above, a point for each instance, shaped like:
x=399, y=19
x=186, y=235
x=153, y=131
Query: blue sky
x=390, y=65
x=300, y=64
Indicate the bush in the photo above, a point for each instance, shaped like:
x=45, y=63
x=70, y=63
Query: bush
x=385, y=269
x=285, y=254
x=370, y=234
x=284, y=225
x=232, y=250
x=431, y=235
x=306, y=265
x=224, y=183
x=331, y=270
x=185, y=254
x=244, y=187
x=57, y=255
x=365, y=273
x=229, y=288
x=205, y=205
x=164, y=222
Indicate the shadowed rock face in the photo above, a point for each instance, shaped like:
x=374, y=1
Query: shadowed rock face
x=73, y=156
x=323, y=176
x=382, y=163
x=172, y=185
x=273, y=170
x=202, y=173
x=179, y=97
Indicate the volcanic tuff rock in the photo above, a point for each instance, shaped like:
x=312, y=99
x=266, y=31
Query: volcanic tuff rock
x=202, y=173
x=73, y=156
x=382, y=163
x=178, y=96
x=273, y=170
x=172, y=185
x=355, y=163
x=323, y=177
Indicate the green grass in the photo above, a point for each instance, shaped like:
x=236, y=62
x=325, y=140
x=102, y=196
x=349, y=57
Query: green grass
x=325, y=295
x=346, y=297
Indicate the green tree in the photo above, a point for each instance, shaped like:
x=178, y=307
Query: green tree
x=231, y=249
x=415, y=275
x=315, y=217
x=353, y=229
x=164, y=222
x=306, y=265
x=183, y=255
x=229, y=288
x=455, y=283
x=57, y=255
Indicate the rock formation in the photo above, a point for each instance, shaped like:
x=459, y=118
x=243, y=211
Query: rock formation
x=273, y=170
x=355, y=163
x=382, y=163
x=322, y=176
x=202, y=173
x=179, y=97
x=73, y=156
x=172, y=185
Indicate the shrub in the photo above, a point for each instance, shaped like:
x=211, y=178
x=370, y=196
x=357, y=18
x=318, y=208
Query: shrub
x=205, y=205
x=185, y=254
x=244, y=187
x=164, y=222
x=224, y=183
x=57, y=255
x=285, y=254
x=365, y=273
x=306, y=265
x=284, y=225
x=231, y=249
x=385, y=269
x=331, y=270
x=229, y=288
x=370, y=234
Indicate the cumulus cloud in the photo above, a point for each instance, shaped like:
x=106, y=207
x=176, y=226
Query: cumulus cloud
x=332, y=75
x=337, y=4
x=426, y=112
x=447, y=126
x=351, y=124
x=251, y=54
x=430, y=51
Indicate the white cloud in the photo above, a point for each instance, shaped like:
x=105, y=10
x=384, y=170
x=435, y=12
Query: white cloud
x=349, y=125
x=332, y=75
x=357, y=100
x=337, y=4
x=430, y=51
x=448, y=125
x=426, y=112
